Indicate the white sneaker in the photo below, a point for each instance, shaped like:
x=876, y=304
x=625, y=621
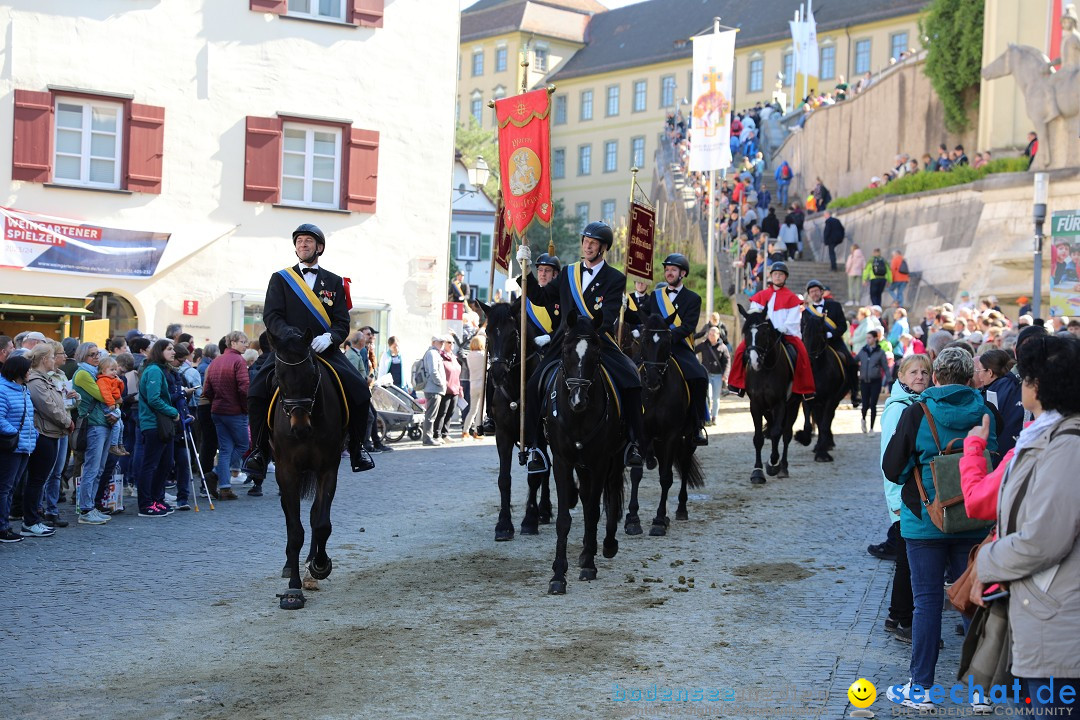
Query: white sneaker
x=130, y=491
x=864, y=425
x=37, y=530
x=980, y=705
x=170, y=499
x=93, y=518
x=100, y=515
x=905, y=698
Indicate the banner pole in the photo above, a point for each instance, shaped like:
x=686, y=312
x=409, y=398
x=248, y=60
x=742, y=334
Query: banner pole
x=491, y=290
x=711, y=236
x=524, y=284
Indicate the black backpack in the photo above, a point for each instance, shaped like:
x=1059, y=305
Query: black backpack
x=880, y=269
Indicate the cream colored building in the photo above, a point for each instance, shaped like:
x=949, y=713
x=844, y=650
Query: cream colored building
x=226, y=125
x=627, y=68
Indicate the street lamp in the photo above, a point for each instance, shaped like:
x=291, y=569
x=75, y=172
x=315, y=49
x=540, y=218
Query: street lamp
x=1042, y=186
x=479, y=173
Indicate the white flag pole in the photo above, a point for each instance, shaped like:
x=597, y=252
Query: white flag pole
x=711, y=230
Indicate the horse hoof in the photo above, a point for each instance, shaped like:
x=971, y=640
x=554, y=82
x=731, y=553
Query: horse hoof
x=757, y=477
x=292, y=599
x=782, y=473
x=528, y=529
x=658, y=529
x=321, y=573
x=557, y=587
x=633, y=528
x=587, y=574
x=504, y=535
x=285, y=572
x=545, y=518
x=610, y=549
x=682, y=515
x=772, y=470
x=802, y=437
x=823, y=457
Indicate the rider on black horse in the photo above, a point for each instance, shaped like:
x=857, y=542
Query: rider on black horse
x=307, y=297
x=586, y=288
x=681, y=308
x=832, y=312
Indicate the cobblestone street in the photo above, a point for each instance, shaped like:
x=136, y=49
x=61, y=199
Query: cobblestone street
x=426, y=616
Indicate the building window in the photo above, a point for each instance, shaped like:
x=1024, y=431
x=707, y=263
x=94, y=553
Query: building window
x=476, y=108
x=639, y=95
x=560, y=109
x=789, y=68
x=862, y=57
x=311, y=165
x=756, y=77
x=500, y=59
x=88, y=142
x=540, y=59
x=898, y=45
x=611, y=155
x=667, y=91
x=323, y=9
x=499, y=94
x=582, y=212
x=637, y=151
x=612, y=100
x=828, y=62
x=468, y=246
x=558, y=163
x=607, y=211
x=584, y=160
x=586, y=104
x=477, y=63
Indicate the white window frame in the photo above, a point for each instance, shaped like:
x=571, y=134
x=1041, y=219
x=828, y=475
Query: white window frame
x=502, y=55
x=587, y=104
x=582, y=212
x=755, y=79
x=309, y=161
x=499, y=94
x=562, y=103
x=667, y=88
x=611, y=156
x=87, y=133
x=477, y=67
x=787, y=62
x=584, y=159
x=892, y=44
x=476, y=107
x=641, y=93
x=473, y=241
x=633, y=151
x=607, y=217
x=558, y=163
x=340, y=17
x=541, y=58
x=611, y=104
x=869, y=56
x=832, y=62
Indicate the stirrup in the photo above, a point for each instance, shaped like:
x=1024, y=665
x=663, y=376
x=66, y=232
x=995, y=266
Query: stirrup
x=701, y=439
x=255, y=464
x=538, y=462
x=632, y=456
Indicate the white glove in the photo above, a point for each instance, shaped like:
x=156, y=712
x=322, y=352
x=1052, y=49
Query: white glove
x=828, y=333
x=542, y=340
x=524, y=255
x=636, y=333
x=320, y=342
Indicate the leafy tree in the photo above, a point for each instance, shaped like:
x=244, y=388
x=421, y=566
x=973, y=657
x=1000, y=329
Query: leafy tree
x=472, y=140
x=952, y=32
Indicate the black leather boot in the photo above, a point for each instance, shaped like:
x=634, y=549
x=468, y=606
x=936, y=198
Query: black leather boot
x=258, y=456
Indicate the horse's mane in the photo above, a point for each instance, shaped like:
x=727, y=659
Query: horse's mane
x=290, y=346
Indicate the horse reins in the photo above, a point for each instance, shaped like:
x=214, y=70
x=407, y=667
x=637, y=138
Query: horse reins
x=304, y=403
x=765, y=351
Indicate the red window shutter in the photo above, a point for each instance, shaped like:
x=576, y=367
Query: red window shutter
x=363, y=170
x=145, y=148
x=31, y=156
x=278, y=7
x=367, y=13
x=262, y=160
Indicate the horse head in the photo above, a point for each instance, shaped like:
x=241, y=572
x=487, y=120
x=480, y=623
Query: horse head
x=813, y=333
x=1022, y=60
x=581, y=359
x=761, y=336
x=297, y=379
x=655, y=351
x=503, y=338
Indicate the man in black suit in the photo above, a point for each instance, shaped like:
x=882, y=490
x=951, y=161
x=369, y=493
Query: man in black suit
x=835, y=324
x=602, y=290
x=681, y=307
x=286, y=313
x=834, y=235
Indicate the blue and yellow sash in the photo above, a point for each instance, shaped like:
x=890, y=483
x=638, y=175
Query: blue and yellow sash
x=669, y=312
x=576, y=291
x=296, y=281
x=828, y=320
x=540, y=316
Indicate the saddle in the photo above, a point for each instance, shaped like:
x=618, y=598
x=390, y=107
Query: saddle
x=337, y=383
x=547, y=388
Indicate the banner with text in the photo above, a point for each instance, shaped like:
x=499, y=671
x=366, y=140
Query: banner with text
x=1065, y=264
x=49, y=244
x=714, y=59
x=524, y=158
x=639, y=244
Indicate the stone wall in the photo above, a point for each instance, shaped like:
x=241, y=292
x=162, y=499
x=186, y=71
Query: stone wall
x=848, y=143
x=975, y=237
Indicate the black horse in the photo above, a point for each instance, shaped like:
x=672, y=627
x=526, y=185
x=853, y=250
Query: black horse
x=504, y=393
x=308, y=432
x=831, y=382
x=769, y=375
x=586, y=435
x=668, y=426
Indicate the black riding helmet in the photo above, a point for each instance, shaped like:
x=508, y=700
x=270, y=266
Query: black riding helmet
x=552, y=261
x=598, y=230
x=313, y=231
x=813, y=284
x=678, y=260
x=779, y=267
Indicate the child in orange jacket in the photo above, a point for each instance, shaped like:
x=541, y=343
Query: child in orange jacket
x=112, y=389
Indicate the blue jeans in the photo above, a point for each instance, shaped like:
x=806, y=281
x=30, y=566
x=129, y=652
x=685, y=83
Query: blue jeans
x=1051, y=700
x=782, y=193
x=116, y=432
x=928, y=560
x=232, y=432
x=97, y=449
x=12, y=466
x=897, y=291
x=51, y=496
x=153, y=469
x=716, y=386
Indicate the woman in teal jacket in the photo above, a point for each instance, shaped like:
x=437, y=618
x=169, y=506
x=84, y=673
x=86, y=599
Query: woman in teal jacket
x=155, y=407
x=956, y=408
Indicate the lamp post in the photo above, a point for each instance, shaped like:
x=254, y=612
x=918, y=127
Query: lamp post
x=1042, y=186
x=479, y=173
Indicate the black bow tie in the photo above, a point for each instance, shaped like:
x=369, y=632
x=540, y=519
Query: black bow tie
x=672, y=291
x=587, y=270
x=308, y=270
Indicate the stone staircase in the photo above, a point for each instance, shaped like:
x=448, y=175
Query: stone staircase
x=802, y=271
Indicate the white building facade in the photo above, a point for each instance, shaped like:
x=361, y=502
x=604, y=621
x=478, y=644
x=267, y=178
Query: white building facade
x=472, y=231
x=217, y=128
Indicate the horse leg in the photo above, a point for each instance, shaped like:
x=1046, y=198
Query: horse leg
x=777, y=423
x=544, y=514
x=786, y=430
x=757, y=477
x=320, y=565
x=661, y=522
x=633, y=522
x=563, y=480
x=592, y=486
x=613, y=489
x=504, y=528
x=825, y=436
x=530, y=523
x=290, y=505
x=804, y=436
x=680, y=511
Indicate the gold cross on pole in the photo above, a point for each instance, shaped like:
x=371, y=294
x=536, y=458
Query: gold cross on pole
x=712, y=77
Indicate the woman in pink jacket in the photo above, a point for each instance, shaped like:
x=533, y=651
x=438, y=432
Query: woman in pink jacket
x=856, y=263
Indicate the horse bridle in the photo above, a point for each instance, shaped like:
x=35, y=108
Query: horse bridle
x=307, y=404
x=660, y=366
x=765, y=350
x=823, y=344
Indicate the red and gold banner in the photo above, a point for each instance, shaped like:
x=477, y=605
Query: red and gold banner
x=524, y=159
x=639, y=244
x=503, y=241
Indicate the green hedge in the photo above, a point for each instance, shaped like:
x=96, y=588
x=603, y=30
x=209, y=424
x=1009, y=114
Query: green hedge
x=922, y=181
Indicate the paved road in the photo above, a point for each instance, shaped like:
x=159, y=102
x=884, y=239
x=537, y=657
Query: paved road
x=426, y=616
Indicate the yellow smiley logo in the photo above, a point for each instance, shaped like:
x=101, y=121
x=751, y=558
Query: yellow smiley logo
x=862, y=693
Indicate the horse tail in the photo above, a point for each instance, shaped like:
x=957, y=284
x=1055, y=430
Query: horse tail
x=613, y=494
x=689, y=468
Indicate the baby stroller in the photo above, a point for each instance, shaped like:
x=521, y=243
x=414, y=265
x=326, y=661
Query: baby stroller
x=397, y=413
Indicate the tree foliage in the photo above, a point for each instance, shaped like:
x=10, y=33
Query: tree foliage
x=952, y=32
x=922, y=181
x=472, y=140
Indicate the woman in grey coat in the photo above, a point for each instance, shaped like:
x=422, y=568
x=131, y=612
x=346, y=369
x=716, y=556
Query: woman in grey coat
x=873, y=369
x=1038, y=555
